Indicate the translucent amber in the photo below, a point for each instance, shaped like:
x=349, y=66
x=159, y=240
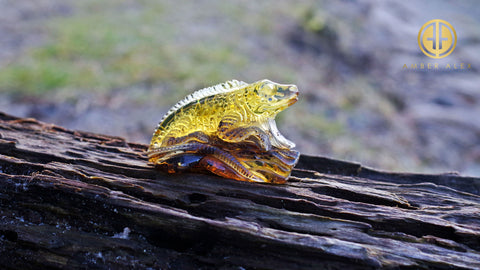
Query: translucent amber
x=228, y=129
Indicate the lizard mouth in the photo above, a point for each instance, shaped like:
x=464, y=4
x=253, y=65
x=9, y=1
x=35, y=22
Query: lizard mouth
x=293, y=99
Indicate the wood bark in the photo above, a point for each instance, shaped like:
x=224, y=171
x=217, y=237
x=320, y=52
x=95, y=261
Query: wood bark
x=72, y=199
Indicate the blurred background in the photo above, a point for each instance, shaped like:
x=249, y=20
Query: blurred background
x=116, y=67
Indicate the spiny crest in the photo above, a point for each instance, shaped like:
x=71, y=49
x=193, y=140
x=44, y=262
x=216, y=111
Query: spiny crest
x=225, y=87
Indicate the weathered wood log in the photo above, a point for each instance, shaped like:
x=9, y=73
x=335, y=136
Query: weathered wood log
x=71, y=199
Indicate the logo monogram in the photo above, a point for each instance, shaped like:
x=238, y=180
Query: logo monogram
x=437, y=39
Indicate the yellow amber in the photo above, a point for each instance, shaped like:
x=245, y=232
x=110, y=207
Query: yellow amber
x=228, y=129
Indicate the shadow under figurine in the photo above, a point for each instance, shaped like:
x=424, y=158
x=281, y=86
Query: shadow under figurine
x=228, y=129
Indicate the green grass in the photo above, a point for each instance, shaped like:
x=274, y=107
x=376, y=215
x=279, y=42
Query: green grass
x=34, y=78
x=100, y=49
x=109, y=45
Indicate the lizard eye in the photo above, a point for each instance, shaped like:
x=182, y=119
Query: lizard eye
x=268, y=89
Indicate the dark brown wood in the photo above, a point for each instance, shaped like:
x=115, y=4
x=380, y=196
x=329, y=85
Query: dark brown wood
x=71, y=199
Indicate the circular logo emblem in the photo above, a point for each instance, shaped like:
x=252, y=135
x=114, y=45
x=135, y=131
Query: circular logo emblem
x=437, y=38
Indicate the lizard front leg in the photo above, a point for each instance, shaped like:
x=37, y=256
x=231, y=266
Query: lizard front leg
x=254, y=135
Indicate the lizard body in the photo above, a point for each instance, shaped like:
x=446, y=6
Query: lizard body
x=226, y=116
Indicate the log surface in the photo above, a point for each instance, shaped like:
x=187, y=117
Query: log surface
x=71, y=199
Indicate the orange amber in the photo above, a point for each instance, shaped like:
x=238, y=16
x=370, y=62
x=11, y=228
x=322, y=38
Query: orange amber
x=228, y=129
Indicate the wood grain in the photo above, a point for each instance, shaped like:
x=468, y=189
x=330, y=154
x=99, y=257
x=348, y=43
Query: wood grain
x=72, y=199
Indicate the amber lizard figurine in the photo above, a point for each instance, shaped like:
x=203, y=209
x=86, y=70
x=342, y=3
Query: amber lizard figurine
x=228, y=129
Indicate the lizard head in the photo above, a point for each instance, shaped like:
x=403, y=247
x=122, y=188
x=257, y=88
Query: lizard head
x=271, y=98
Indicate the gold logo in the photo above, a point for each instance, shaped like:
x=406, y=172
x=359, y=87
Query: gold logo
x=437, y=38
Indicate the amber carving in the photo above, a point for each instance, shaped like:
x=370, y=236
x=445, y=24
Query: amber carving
x=228, y=129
